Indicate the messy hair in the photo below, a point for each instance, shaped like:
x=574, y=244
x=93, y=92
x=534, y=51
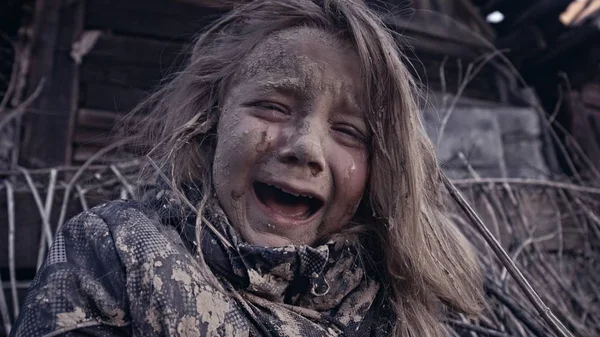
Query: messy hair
x=427, y=264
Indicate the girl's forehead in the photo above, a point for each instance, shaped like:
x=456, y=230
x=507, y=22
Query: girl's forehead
x=303, y=57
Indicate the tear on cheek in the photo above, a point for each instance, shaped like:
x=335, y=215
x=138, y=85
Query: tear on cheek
x=350, y=171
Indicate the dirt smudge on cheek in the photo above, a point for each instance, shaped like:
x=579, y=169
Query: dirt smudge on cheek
x=305, y=129
x=264, y=143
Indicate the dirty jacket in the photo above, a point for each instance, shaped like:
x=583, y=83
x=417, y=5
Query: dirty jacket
x=129, y=268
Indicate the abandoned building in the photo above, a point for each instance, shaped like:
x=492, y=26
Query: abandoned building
x=511, y=95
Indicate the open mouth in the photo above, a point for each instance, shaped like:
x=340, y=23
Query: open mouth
x=288, y=204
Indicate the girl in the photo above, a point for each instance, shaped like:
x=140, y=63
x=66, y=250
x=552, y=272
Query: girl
x=299, y=196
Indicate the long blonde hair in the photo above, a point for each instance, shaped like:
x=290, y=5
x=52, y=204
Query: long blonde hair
x=428, y=264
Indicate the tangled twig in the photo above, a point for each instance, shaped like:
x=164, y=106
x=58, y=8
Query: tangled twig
x=512, y=268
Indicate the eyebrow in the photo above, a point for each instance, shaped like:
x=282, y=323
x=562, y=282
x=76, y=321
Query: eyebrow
x=286, y=86
x=295, y=87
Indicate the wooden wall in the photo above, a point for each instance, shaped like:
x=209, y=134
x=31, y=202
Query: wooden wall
x=140, y=43
x=584, y=120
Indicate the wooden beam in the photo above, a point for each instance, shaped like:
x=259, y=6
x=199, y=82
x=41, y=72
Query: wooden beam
x=164, y=19
x=109, y=97
x=99, y=119
x=49, y=124
x=211, y=3
x=136, y=50
x=129, y=62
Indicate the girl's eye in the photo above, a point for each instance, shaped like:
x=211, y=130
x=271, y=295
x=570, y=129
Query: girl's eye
x=271, y=107
x=350, y=133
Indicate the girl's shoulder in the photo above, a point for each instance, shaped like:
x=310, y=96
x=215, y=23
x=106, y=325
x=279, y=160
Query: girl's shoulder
x=99, y=265
x=134, y=228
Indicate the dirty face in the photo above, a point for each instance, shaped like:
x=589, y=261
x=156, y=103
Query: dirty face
x=291, y=160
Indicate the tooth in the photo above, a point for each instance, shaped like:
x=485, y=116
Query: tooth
x=292, y=193
x=288, y=192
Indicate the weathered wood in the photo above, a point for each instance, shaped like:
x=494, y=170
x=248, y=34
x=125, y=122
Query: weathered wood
x=134, y=64
x=428, y=67
x=135, y=50
x=98, y=119
x=109, y=97
x=48, y=127
x=96, y=130
x=82, y=153
x=155, y=18
x=211, y=3
x=132, y=76
x=85, y=137
x=579, y=43
x=432, y=28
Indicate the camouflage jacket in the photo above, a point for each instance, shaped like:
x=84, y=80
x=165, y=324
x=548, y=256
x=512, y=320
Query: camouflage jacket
x=128, y=268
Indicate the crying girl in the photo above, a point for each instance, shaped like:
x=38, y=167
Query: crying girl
x=297, y=195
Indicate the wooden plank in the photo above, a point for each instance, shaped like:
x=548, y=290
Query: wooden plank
x=431, y=29
x=161, y=7
x=94, y=137
x=48, y=127
x=119, y=69
x=96, y=130
x=123, y=75
x=165, y=19
x=82, y=153
x=135, y=50
x=210, y=3
x=427, y=67
x=109, y=97
x=98, y=119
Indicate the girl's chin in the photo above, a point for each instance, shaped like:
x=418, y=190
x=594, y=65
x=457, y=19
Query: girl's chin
x=271, y=236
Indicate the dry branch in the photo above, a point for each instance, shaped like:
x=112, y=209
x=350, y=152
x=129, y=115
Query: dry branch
x=10, y=197
x=512, y=268
x=510, y=312
x=22, y=108
x=531, y=182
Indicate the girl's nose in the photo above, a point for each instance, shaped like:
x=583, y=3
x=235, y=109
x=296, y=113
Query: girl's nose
x=304, y=149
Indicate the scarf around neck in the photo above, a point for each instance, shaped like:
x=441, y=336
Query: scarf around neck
x=326, y=290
